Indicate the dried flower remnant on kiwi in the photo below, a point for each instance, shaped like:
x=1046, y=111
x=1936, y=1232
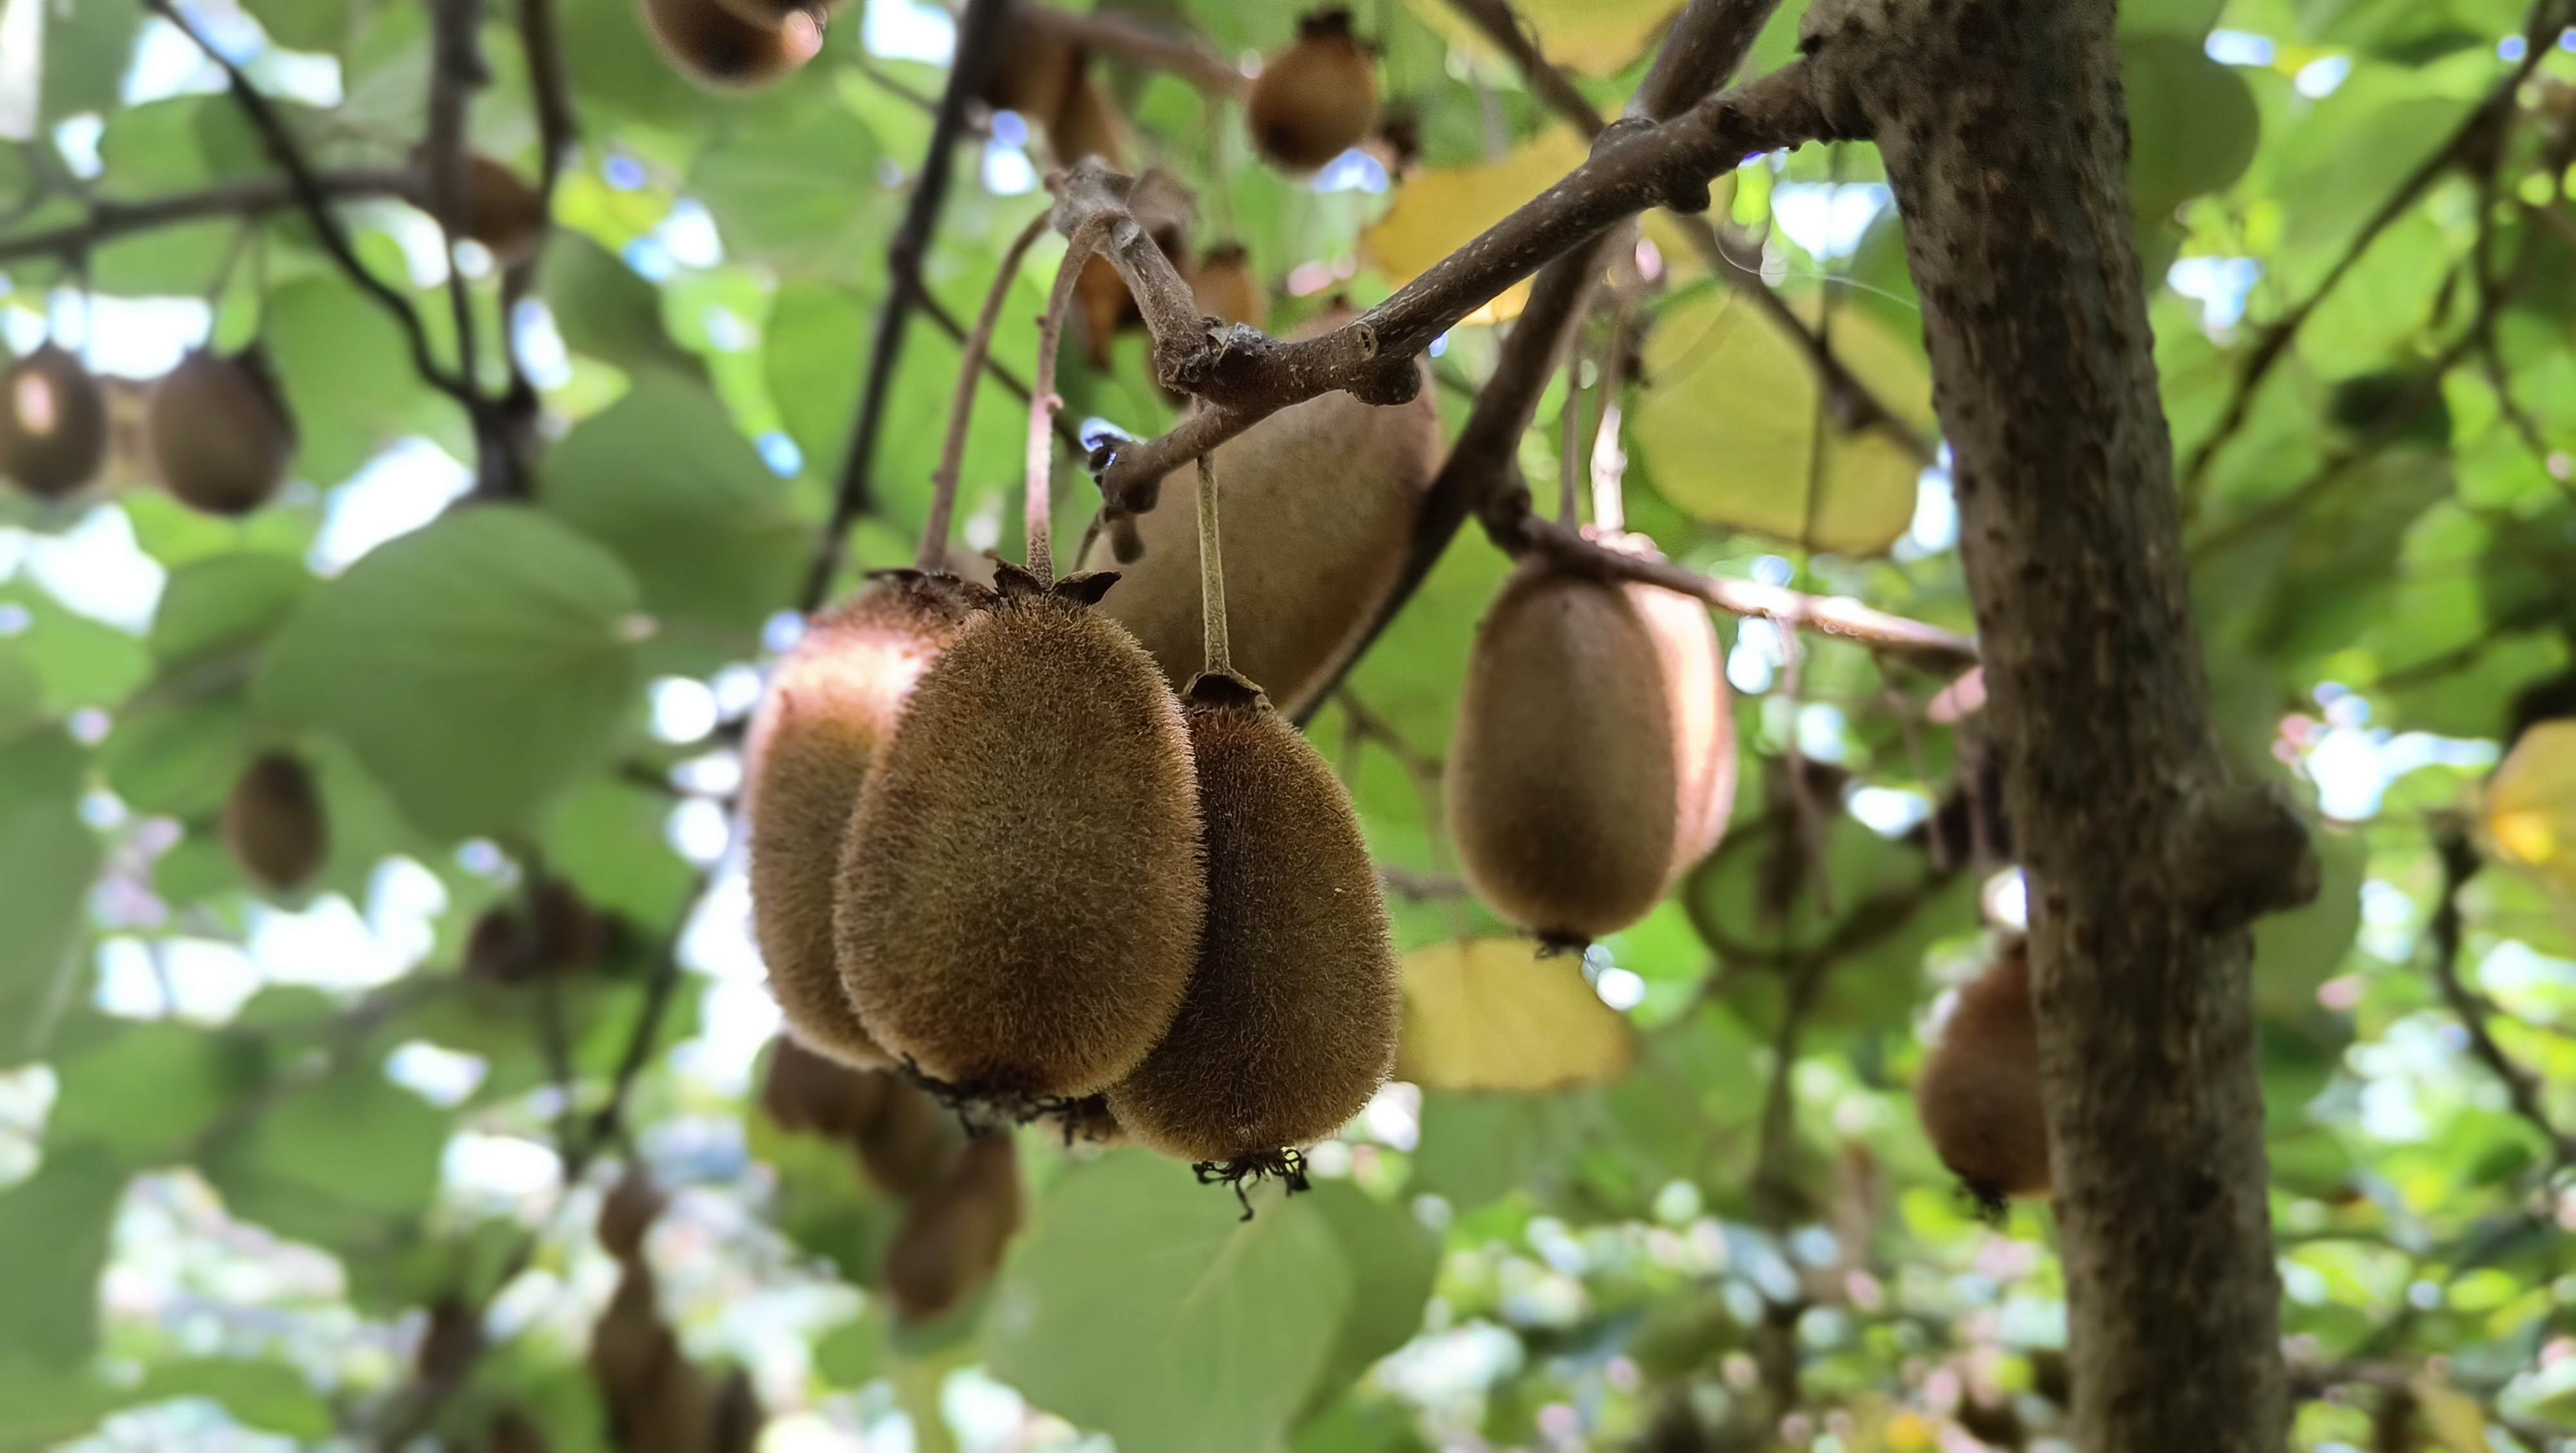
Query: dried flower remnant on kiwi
x=1317, y=98
x=1020, y=888
x=831, y=707
x=53, y=423
x=1979, y=1092
x=1290, y=1022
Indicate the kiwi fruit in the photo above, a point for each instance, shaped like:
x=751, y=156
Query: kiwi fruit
x=627, y=1212
x=558, y=933
x=1290, y=1022
x=1316, y=99
x=831, y=707
x=734, y=1424
x=53, y=423
x=771, y=14
x=1320, y=500
x=1020, y=890
x=273, y=823
x=1086, y=124
x=502, y=211
x=1222, y=282
x=902, y=1137
x=719, y=49
x=220, y=432
x=1979, y=1092
x=951, y=1241
x=1033, y=71
x=1594, y=755
x=513, y=1431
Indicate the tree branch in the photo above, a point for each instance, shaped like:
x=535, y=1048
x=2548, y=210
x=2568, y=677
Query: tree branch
x=979, y=33
x=558, y=134
x=2460, y=863
x=109, y=220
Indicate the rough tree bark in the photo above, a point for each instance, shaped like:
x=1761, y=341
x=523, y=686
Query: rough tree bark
x=2005, y=139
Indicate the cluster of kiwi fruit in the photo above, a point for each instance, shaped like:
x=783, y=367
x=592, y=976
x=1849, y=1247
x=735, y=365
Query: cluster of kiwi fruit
x=736, y=45
x=1979, y=1091
x=217, y=425
x=658, y=1401
x=962, y=1202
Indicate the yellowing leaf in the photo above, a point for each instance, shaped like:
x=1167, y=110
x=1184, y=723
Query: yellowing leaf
x=1493, y=1015
x=1729, y=426
x=2531, y=804
x=1594, y=37
x=2453, y=1417
x=1438, y=212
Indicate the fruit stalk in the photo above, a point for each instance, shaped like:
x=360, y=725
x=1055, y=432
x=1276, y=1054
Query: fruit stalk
x=933, y=554
x=1211, y=572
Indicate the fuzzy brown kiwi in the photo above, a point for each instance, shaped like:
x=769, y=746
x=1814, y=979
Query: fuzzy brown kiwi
x=1317, y=98
x=1593, y=759
x=909, y=1140
x=719, y=49
x=1290, y=1022
x=1223, y=284
x=813, y=1094
x=220, y=431
x=1033, y=70
x=1021, y=889
x=273, y=823
x=831, y=707
x=502, y=211
x=53, y=423
x=1320, y=500
x=1087, y=123
x=951, y=1241
x=1979, y=1092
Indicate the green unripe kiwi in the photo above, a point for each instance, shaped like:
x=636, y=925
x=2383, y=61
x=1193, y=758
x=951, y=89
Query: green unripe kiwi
x=53, y=423
x=719, y=49
x=1020, y=889
x=1979, y=1092
x=1317, y=98
x=831, y=707
x=273, y=823
x=1594, y=757
x=1319, y=504
x=952, y=1240
x=1290, y=1022
x=220, y=432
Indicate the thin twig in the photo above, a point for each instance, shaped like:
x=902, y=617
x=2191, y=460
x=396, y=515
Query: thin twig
x=961, y=409
x=1129, y=40
x=455, y=70
x=249, y=197
x=1037, y=523
x=2460, y=863
x=1067, y=432
x=979, y=33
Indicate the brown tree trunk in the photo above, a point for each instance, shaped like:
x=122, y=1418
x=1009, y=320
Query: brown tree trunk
x=2006, y=142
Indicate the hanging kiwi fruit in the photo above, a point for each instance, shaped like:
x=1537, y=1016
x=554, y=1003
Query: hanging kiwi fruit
x=1320, y=500
x=53, y=423
x=830, y=710
x=1594, y=754
x=1033, y=70
x=556, y=932
x=220, y=431
x=720, y=50
x=502, y=211
x=772, y=14
x=902, y=1138
x=273, y=823
x=1222, y=282
x=1316, y=99
x=952, y=1239
x=1979, y=1091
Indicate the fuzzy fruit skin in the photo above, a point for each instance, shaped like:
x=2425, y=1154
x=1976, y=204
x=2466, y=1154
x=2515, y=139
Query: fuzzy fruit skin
x=831, y=707
x=1291, y=1019
x=722, y=51
x=1979, y=1092
x=1317, y=98
x=273, y=823
x=951, y=1241
x=220, y=432
x=1021, y=888
x=53, y=423
x=1594, y=758
x=1319, y=504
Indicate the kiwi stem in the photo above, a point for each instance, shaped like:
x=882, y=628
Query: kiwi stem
x=933, y=554
x=1569, y=424
x=1042, y=397
x=1609, y=466
x=1211, y=573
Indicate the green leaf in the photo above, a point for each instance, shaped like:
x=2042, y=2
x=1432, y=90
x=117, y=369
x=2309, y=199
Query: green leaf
x=53, y=1245
x=22, y=697
x=665, y=480
x=477, y=666
x=87, y=50
x=604, y=310
x=348, y=1162
x=315, y=25
x=47, y=858
x=1729, y=425
x=269, y=1396
x=1393, y=1262
x=1140, y=1306
x=2296, y=951
x=145, y=1092
x=1477, y=1148
x=2192, y=122
x=768, y=193
x=225, y=602
x=348, y=377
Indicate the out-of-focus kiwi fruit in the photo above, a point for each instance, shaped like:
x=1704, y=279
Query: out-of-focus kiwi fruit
x=902, y=1137
x=951, y=1241
x=220, y=431
x=1290, y=1022
x=736, y=1420
x=1032, y=72
x=771, y=14
x=1087, y=123
x=657, y=1400
x=1021, y=890
x=831, y=707
x=1222, y=282
x=53, y=423
x=719, y=49
x=513, y=1431
x=1317, y=98
x=1320, y=500
x=1979, y=1092
x=1594, y=756
x=502, y=211
x=627, y=1212
x=557, y=933
x=273, y=823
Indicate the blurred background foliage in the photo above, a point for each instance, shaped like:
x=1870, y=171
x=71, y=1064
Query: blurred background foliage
x=288, y=1169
